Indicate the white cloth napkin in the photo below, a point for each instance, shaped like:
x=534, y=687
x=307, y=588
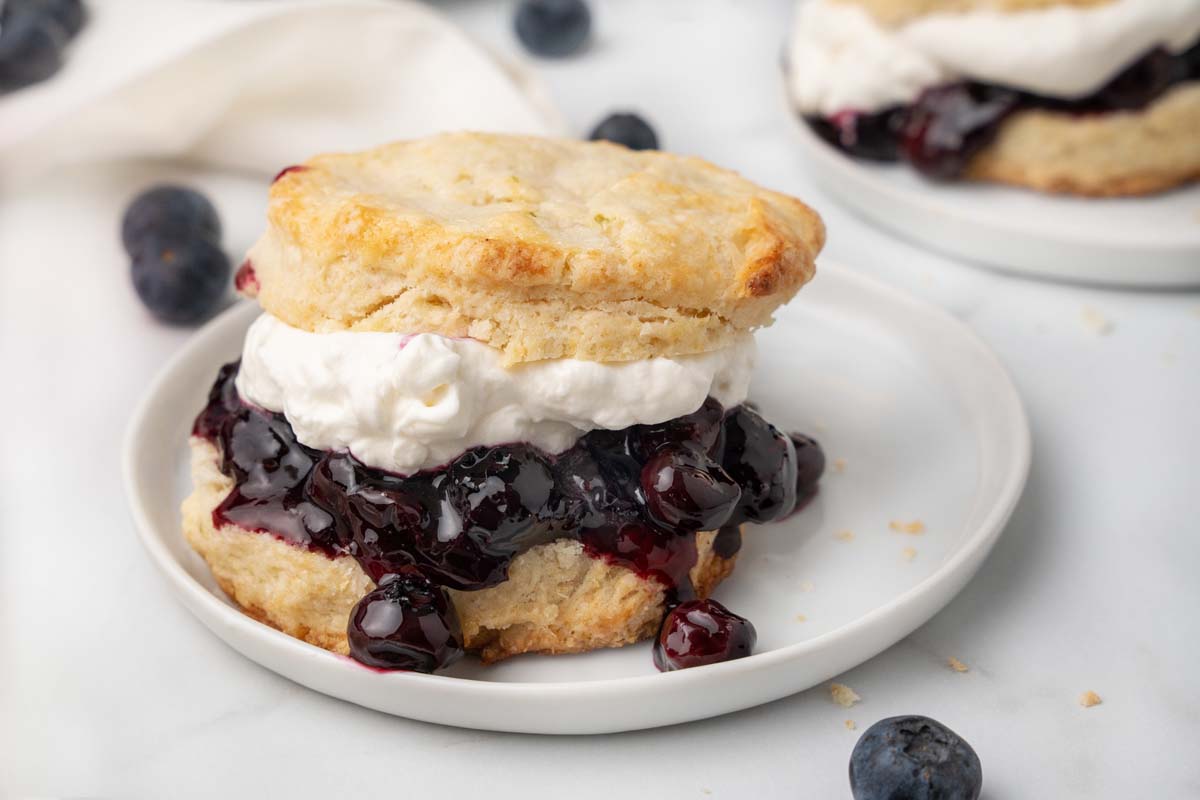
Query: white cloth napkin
x=254, y=86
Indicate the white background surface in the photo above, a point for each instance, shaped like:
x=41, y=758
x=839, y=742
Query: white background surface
x=109, y=688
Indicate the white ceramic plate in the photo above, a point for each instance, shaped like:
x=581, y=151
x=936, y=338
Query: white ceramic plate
x=929, y=427
x=1146, y=241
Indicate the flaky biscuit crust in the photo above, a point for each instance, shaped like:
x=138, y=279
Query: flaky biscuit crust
x=1100, y=155
x=557, y=599
x=541, y=248
x=894, y=13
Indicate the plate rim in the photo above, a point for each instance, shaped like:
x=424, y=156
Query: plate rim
x=976, y=544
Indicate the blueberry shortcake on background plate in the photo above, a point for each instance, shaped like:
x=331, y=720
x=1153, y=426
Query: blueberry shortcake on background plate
x=1087, y=97
x=496, y=402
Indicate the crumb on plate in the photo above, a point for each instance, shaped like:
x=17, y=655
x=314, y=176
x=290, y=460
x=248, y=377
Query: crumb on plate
x=843, y=695
x=908, y=553
x=839, y=465
x=1089, y=699
x=850, y=725
x=844, y=536
x=957, y=665
x=915, y=527
x=1097, y=322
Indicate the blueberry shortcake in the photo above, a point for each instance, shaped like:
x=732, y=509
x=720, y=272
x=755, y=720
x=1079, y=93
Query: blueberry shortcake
x=1087, y=97
x=496, y=402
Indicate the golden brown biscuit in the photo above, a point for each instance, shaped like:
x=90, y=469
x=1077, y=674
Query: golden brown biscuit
x=894, y=13
x=1101, y=155
x=558, y=599
x=541, y=248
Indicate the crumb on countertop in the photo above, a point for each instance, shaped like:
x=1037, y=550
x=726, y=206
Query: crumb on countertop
x=915, y=527
x=908, y=553
x=1089, y=699
x=957, y=665
x=844, y=536
x=1097, y=322
x=844, y=696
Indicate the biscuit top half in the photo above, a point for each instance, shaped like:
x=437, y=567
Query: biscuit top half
x=540, y=248
x=894, y=13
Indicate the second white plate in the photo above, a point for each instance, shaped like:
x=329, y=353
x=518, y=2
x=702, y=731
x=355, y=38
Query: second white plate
x=920, y=423
x=1139, y=241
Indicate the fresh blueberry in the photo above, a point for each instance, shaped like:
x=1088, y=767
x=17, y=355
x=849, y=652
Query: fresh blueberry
x=180, y=281
x=407, y=623
x=553, y=28
x=31, y=45
x=173, y=213
x=685, y=490
x=701, y=632
x=913, y=758
x=627, y=129
x=69, y=14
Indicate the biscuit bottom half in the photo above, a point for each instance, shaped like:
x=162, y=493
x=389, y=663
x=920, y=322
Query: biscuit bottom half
x=1114, y=154
x=557, y=599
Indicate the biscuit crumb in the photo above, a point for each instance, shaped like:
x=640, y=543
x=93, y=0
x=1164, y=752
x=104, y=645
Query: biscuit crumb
x=915, y=527
x=908, y=553
x=839, y=465
x=801, y=618
x=957, y=665
x=844, y=696
x=850, y=725
x=1089, y=699
x=806, y=586
x=1097, y=322
x=844, y=536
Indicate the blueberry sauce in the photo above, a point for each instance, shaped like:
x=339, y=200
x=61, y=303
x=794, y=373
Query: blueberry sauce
x=700, y=632
x=286, y=170
x=245, y=278
x=633, y=497
x=947, y=126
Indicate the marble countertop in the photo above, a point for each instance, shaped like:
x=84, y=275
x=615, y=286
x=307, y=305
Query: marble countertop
x=109, y=688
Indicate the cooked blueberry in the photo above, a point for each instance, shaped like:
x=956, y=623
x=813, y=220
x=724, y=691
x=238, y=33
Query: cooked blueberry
x=627, y=129
x=810, y=464
x=553, y=28
x=913, y=758
x=685, y=490
x=406, y=623
x=728, y=541
x=871, y=136
x=948, y=125
x=173, y=213
x=180, y=281
x=500, y=492
x=1140, y=83
x=762, y=461
x=385, y=522
x=701, y=428
x=701, y=632
x=67, y=13
x=31, y=45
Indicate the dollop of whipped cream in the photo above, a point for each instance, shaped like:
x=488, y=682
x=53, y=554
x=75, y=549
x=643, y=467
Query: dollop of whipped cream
x=841, y=59
x=404, y=403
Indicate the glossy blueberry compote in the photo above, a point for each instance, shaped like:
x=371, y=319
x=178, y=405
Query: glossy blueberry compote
x=634, y=497
x=701, y=632
x=948, y=125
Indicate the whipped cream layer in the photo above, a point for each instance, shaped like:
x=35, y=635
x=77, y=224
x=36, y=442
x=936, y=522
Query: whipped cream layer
x=404, y=403
x=841, y=59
